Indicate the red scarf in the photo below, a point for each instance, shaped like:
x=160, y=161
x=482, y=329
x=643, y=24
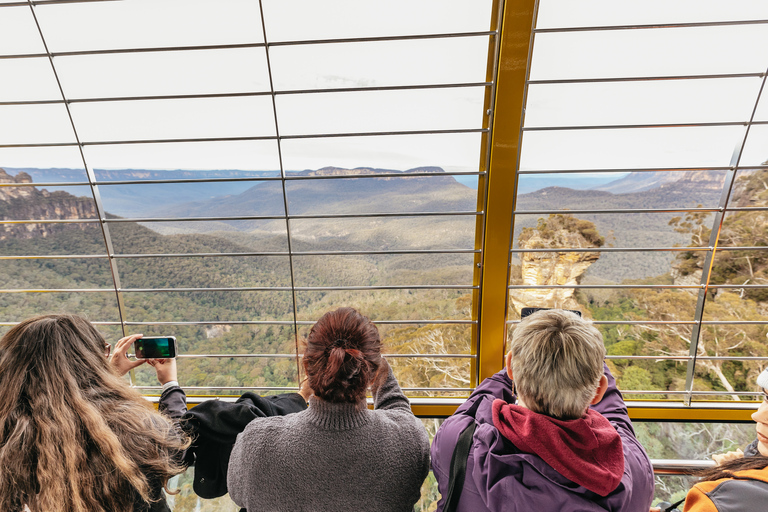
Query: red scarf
x=586, y=451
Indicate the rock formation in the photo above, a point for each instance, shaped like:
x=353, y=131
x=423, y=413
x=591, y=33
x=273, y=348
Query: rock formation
x=554, y=268
x=31, y=203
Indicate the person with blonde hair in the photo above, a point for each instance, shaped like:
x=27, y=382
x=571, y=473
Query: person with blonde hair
x=74, y=436
x=550, y=432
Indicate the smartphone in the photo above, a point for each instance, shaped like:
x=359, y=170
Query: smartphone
x=155, y=347
x=529, y=311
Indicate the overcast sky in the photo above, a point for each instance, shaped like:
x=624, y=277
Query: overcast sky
x=582, y=54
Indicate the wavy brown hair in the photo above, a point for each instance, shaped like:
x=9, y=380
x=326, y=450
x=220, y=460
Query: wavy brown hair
x=728, y=468
x=74, y=436
x=343, y=356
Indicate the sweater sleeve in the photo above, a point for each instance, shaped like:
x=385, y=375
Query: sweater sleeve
x=389, y=395
x=173, y=403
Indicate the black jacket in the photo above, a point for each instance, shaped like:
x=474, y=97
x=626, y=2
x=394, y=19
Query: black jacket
x=214, y=426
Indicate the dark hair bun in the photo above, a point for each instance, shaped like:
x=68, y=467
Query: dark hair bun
x=343, y=355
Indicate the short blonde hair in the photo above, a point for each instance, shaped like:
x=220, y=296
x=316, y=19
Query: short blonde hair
x=557, y=361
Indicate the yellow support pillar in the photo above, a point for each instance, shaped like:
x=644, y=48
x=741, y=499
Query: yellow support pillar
x=506, y=121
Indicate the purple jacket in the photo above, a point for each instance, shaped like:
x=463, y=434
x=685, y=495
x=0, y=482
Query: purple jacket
x=499, y=477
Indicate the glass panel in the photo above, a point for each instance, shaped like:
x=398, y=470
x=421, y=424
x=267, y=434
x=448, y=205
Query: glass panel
x=656, y=102
x=381, y=111
x=388, y=304
x=187, y=501
x=566, y=13
x=55, y=239
x=629, y=148
x=661, y=190
x=755, y=152
x=649, y=52
x=147, y=24
x=618, y=230
x=169, y=119
x=219, y=159
x=216, y=199
x=738, y=305
x=688, y=440
x=45, y=164
x=418, y=373
x=652, y=377
x=300, y=20
x=206, y=306
x=741, y=268
x=381, y=63
x=32, y=203
x=384, y=233
x=730, y=340
x=200, y=272
x=28, y=79
x=163, y=73
x=73, y=273
x=458, y=152
x=380, y=195
x=394, y=269
x=97, y=306
x=239, y=373
x=18, y=32
x=665, y=304
x=744, y=229
x=189, y=237
x=34, y=124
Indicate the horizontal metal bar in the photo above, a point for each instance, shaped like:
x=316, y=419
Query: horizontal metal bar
x=281, y=217
x=747, y=209
x=643, y=78
x=293, y=253
x=44, y=2
x=278, y=322
x=679, y=466
x=617, y=211
x=604, y=286
x=640, y=249
x=293, y=356
x=245, y=138
x=635, y=126
x=301, y=288
x=56, y=257
x=734, y=322
x=694, y=24
x=253, y=45
x=50, y=221
x=50, y=184
x=613, y=249
x=383, y=38
x=630, y=322
x=649, y=358
x=621, y=170
x=250, y=94
x=739, y=286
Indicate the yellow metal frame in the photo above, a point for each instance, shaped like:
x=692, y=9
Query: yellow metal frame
x=516, y=27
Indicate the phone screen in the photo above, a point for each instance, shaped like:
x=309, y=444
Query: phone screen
x=155, y=347
x=529, y=311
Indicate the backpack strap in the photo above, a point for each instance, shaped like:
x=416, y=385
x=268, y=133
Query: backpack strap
x=459, y=467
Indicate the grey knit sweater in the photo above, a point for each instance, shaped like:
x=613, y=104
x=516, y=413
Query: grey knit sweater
x=333, y=457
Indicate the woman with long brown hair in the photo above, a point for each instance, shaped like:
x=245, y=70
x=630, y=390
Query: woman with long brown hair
x=337, y=455
x=74, y=436
x=739, y=484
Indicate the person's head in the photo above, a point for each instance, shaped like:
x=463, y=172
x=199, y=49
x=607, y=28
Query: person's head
x=556, y=362
x=343, y=356
x=77, y=435
x=761, y=415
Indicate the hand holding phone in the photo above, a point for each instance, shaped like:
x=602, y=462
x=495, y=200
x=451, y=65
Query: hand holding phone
x=155, y=347
x=119, y=358
x=165, y=369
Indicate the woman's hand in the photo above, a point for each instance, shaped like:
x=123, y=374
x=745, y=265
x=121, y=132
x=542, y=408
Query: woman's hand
x=165, y=369
x=719, y=458
x=119, y=358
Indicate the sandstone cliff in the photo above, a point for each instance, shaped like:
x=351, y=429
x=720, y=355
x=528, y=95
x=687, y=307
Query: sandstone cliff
x=31, y=203
x=554, y=268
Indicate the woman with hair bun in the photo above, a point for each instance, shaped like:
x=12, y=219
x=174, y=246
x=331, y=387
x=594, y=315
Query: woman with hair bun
x=337, y=455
